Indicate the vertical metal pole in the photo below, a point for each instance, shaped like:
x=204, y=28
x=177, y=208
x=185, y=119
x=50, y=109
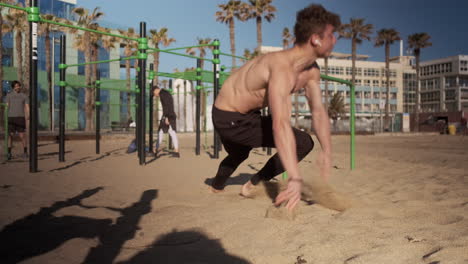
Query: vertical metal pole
x=197, y=109
x=5, y=128
x=137, y=111
x=169, y=141
x=142, y=46
x=352, y=126
x=98, y=111
x=215, y=93
x=62, y=99
x=151, y=98
x=33, y=17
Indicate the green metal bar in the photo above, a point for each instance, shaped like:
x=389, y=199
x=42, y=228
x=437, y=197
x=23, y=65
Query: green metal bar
x=15, y=7
x=230, y=55
x=103, y=61
x=204, y=45
x=326, y=77
x=352, y=117
x=72, y=85
x=101, y=103
x=352, y=126
x=179, y=54
x=87, y=29
x=5, y=127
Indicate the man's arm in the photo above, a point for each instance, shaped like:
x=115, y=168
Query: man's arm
x=280, y=84
x=321, y=121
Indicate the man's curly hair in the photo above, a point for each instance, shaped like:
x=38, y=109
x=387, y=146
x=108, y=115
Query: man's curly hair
x=312, y=20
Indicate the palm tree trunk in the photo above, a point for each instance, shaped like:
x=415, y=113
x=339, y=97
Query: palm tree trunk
x=27, y=56
x=88, y=91
x=259, y=33
x=1, y=68
x=129, y=87
x=185, y=106
x=233, y=42
x=49, y=75
x=155, y=83
x=353, y=67
x=19, y=56
x=418, y=93
x=387, y=77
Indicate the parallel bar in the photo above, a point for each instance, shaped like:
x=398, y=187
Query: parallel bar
x=352, y=127
x=86, y=29
x=197, y=111
x=101, y=61
x=230, y=55
x=216, y=70
x=62, y=100
x=180, y=48
x=98, y=113
x=33, y=106
x=179, y=54
x=151, y=98
x=142, y=86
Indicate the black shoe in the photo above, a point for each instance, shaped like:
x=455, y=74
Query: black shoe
x=175, y=154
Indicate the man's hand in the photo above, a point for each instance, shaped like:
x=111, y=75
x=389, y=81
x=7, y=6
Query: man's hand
x=324, y=163
x=292, y=194
x=166, y=120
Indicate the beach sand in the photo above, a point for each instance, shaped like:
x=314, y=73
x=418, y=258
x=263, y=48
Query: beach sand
x=406, y=202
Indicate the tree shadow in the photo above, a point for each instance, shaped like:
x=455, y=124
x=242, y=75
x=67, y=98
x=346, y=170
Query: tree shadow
x=42, y=232
x=190, y=246
x=240, y=179
x=113, y=237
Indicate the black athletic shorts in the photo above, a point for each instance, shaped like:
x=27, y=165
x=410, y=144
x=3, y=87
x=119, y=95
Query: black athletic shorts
x=250, y=129
x=16, y=124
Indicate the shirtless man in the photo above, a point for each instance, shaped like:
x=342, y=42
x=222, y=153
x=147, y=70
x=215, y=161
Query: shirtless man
x=269, y=80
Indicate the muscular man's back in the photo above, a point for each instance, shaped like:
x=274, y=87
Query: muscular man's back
x=245, y=89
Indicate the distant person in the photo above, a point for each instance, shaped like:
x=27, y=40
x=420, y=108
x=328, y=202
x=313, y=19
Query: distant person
x=168, y=119
x=18, y=115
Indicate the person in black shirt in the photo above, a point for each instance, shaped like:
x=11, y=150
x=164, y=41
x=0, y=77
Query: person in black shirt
x=168, y=119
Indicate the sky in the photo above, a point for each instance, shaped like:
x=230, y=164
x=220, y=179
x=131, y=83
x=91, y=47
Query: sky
x=445, y=21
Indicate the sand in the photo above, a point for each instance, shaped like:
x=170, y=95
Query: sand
x=406, y=202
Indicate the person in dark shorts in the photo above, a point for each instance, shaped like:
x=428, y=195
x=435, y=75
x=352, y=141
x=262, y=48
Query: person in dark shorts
x=270, y=80
x=168, y=120
x=18, y=115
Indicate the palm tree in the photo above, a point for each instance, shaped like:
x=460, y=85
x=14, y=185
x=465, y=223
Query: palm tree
x=45, y=29
x=259, y=10
x=87, y=20
x=387, y=37
x=287, y=38
x=249, y=55
x=417, y=42
x=357, y=31
x=18, y=23
x=336, y=108
x=202, y=54
x=129, y=48
x=230, y=11
x=3, y=29
x=158, y=37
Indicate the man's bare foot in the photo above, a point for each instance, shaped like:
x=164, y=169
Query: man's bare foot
x=213, y=190
x=248, y=190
